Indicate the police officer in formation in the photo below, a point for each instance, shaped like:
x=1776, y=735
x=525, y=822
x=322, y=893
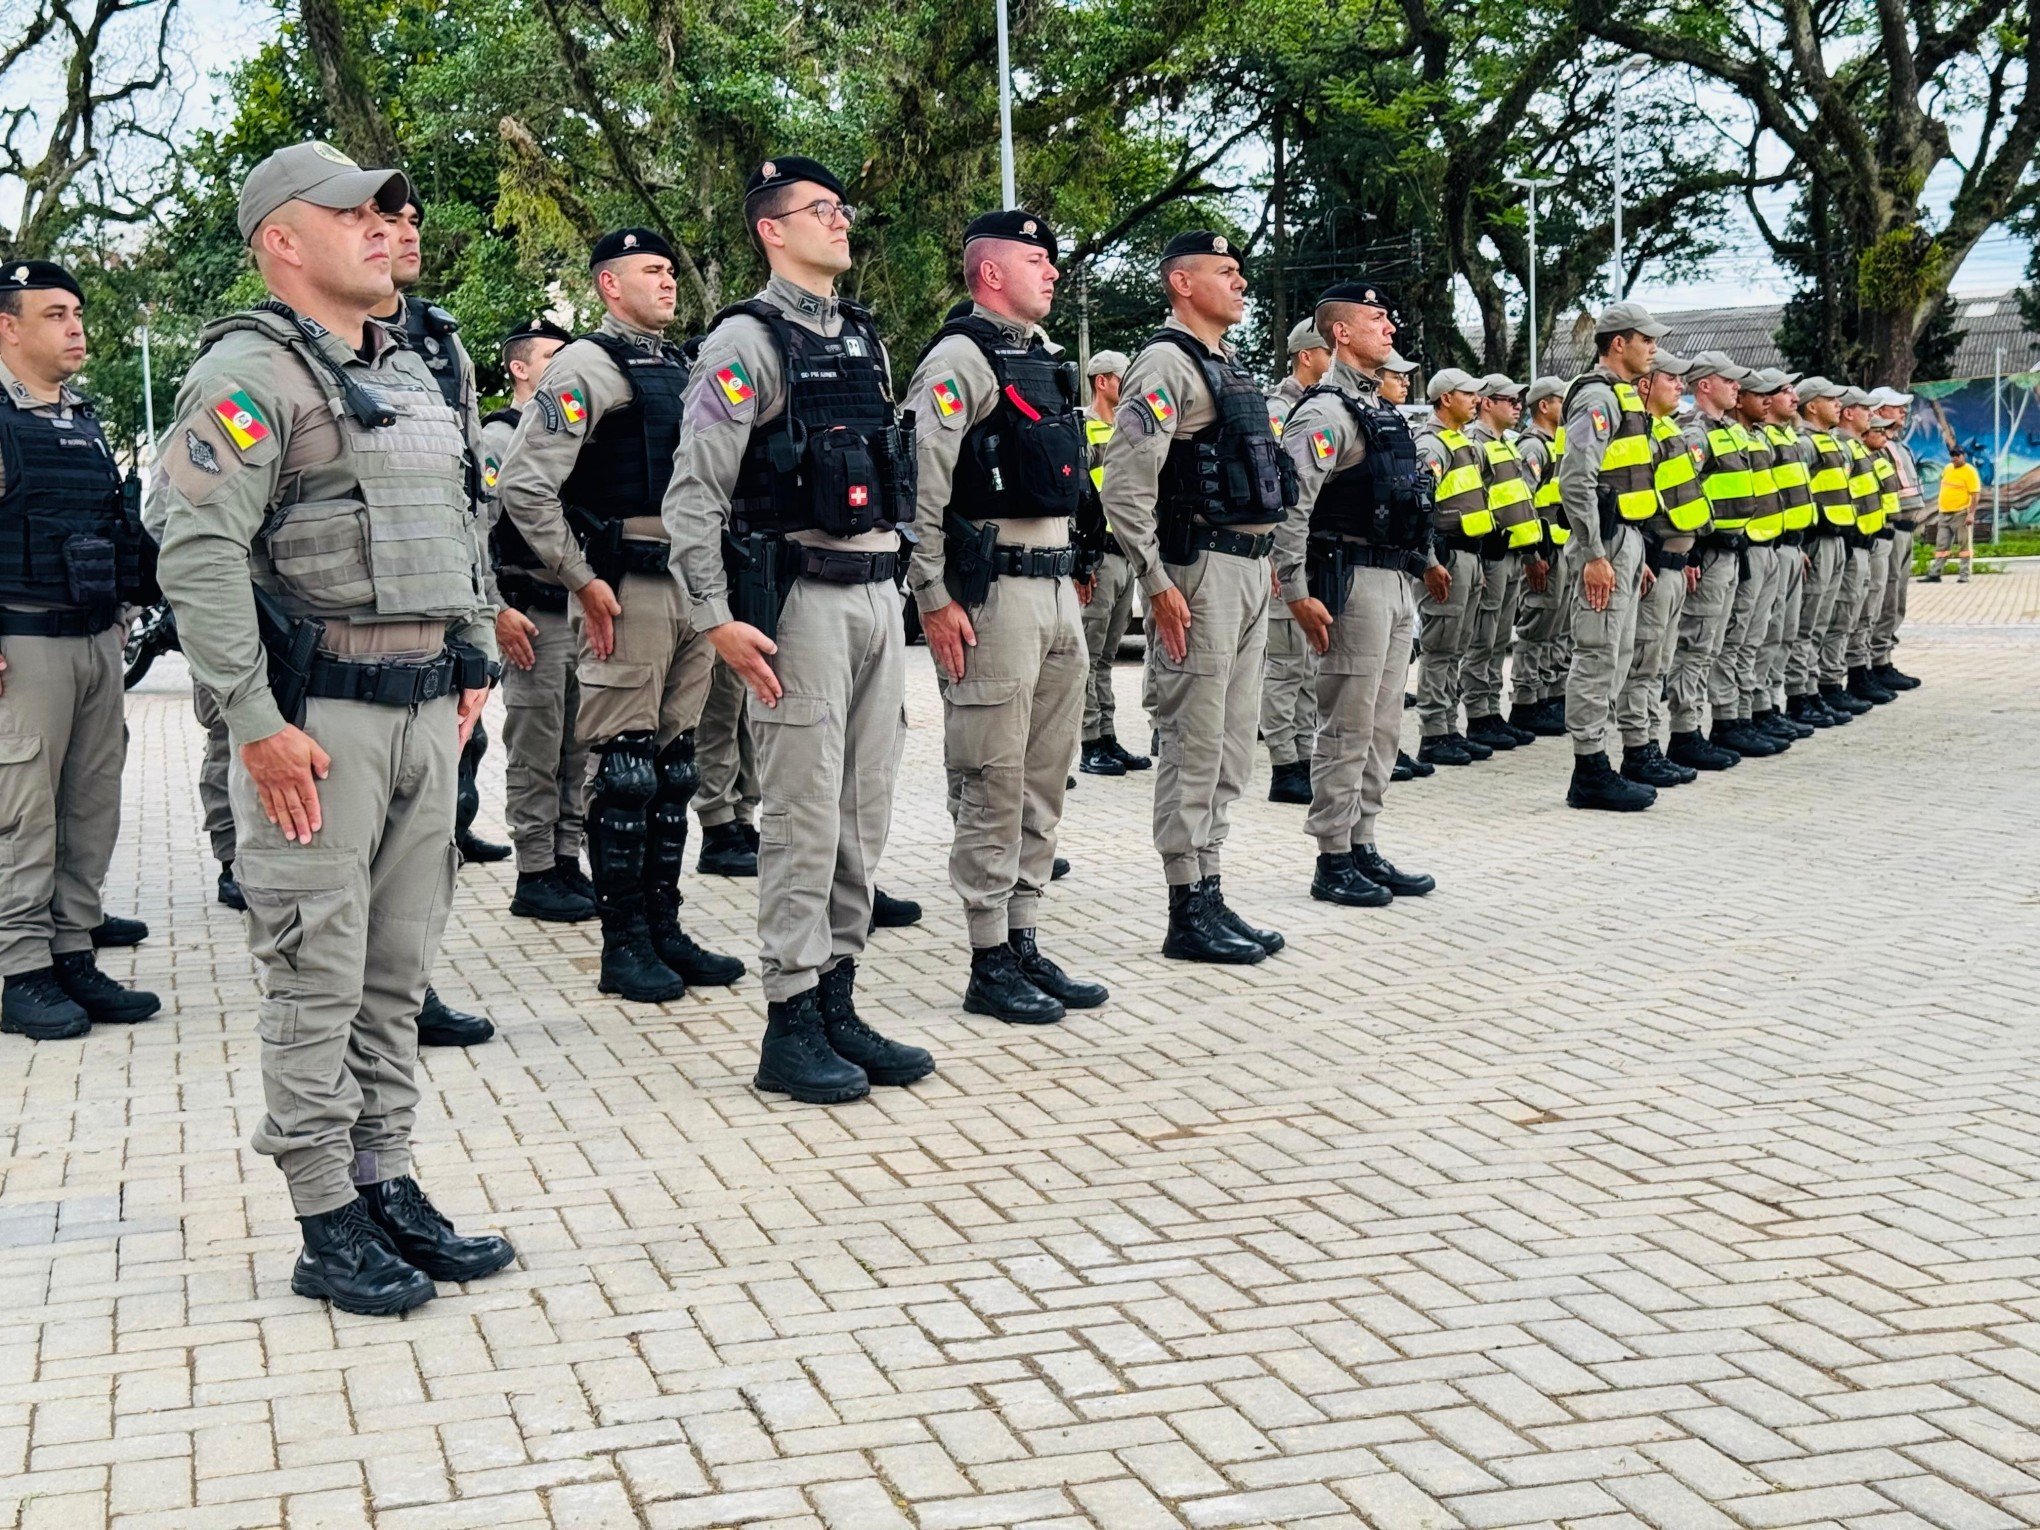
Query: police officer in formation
x=1714, y=443
x=1001, y=471
x=1542, y=647
x=1460, y=520
x=794, y=475
x=1195, y=483
x=1289, y=715
x=1346, y=558
x=545, y=765
x=1890, y=406
x=1109, y=610
x=582, y=482
x=1511, y=561
x=314, y=452
x=71, y=554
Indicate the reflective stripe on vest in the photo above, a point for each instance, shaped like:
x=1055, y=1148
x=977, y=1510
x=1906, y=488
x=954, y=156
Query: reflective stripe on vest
x=1547, y=496
x=1678, y=483
x=1626, y=465
x=1887, y=495
x=1830, y=481
x=1460, y=491
x=1795, y=498
x=1508, y=493
x=1767, y=518
x=1726, y=480
x=1863, y=491
x=1096, y=433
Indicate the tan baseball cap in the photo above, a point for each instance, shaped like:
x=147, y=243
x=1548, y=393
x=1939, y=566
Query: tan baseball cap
x=1498, y=385
x=1811, y=388
x=1767, y=381
x=1450, y=380
x=1397, y=362
x=1542, y=389
x=1304, y=336
x=1107, y=364
x=1666, y=364
x=1617, y=317
x=319, y=174
x=1714, y=364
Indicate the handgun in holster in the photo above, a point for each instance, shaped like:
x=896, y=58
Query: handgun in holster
x=291, y=645
x=759, y=569
x=1325, y=569
x=1088, y=534
x=601, y=544
x=967, y=566
x=1605, y=507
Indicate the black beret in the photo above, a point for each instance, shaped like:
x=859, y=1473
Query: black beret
x=1013, y=223
x=33, y=275
x=540, y=328
x=1361, y=291
x=630, y=241
x=1202, y=241
x=789, y=168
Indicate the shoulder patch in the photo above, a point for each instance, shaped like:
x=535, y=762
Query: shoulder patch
x=201, y=453
x=1160, y=405
x=948, y=402
x=239, y=417
x=573, y=405
x=490, y=469
x=1598, y=416
x=735, y=383
x=1275, y=424
x=549, y=412
x=1322, y=446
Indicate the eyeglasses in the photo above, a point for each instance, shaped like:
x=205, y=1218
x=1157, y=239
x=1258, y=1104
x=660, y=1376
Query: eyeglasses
x=826, y=212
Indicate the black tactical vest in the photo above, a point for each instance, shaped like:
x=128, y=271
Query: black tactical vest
x=1386, y=499
x=429, y=330
x=838, y=459
x=506, y=543
x=65, y=537
x=1026, y=458
x=1232, y=472
x=627, y=460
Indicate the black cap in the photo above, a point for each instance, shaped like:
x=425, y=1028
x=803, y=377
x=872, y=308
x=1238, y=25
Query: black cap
x=1016, y=224
x=1203, y=241
x=1361, y=291
x=630, y=241
x=33, y=275
x=540, y=328
x=787, y=169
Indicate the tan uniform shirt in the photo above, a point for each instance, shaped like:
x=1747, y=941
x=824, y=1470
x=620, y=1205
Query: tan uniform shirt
x=1164, y=396
x=68, y=401
x=1579, y=473
x=1311, y=425
x=209, y=497
x=1282, y=402
x=955, y=363
x=1534, y=447
x=717, y=429
x=581, y=384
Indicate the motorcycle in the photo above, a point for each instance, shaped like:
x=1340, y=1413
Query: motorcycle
x=151, y=632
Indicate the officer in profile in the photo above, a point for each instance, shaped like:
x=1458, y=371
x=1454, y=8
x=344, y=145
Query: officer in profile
x=1002, y=475
x=1195, y=484
x=581, y=482
x=320, y=553
x=1109, y=612
x=1347, y=559
x=71, y=553
x=1289, y=715
x=545, y=768
x=794, y=475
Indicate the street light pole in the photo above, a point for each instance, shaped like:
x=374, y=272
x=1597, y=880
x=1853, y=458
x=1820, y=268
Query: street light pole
x=1005, y=114
x=1615, y=278
x=1530, y=184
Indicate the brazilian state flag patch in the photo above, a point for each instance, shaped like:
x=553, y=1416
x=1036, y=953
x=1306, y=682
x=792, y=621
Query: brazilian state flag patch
x=1600, y=419
x=241, y=420
x=1160, y=405
x=735, y=383
x=948, y=401
x=1322, y=446
x=489, y=471
x=574, y=405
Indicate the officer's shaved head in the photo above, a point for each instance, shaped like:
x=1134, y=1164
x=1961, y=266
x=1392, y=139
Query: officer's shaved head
x=1014, y=277
x=1209, y=286
x=1361, y=332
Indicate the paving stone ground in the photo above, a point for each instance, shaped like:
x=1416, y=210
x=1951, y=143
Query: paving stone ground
x=1672, y=1171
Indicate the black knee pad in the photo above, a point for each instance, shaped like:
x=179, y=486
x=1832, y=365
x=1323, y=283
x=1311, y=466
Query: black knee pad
x=626, y=776
x=679, y=777
x=625, y=781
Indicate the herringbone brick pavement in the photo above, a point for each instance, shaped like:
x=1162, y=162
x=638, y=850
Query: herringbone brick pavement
x=1675, y=1171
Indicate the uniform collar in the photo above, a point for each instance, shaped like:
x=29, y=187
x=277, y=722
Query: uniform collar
x=796, y=299
x=1226, y=350
x=1350, y=379
x=16, y=392
x=630, y=334
x=1478, y=429
x=1009, y=328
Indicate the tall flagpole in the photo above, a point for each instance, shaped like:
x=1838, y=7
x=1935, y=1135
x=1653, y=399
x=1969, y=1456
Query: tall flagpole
x=1005, y=115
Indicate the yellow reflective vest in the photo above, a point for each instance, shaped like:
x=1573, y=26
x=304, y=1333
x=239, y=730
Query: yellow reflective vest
x=1459, y=503
x=1546, y=498
x=1794, y=478
x=1863, y=490
x=1627, y=470
x=1509, y=502
x=1677, y=480
x=1096, y=433
x=1767, y=517
x=1830, y=482
x=1887, y=493
x=1725, y=476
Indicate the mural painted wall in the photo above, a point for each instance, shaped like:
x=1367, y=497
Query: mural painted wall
x=1961, y=411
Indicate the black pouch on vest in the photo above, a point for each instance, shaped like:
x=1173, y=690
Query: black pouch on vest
x=848, y=493
x=91, y=570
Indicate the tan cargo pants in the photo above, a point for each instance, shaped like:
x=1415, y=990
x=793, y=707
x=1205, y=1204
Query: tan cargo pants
x=1447, y=631
x=1783, y=629
x=1289, y=709
x=1487, y=645
x=63, y=741
x=1703, y=629
x=343, y=932
x=545, y=766
x=1876, y=576
x=1360, y=691
x=1640, y=708
x=1009, y=729
x=1205, y=709
x=655, y=680
x=1884, y=639
x=1854, y=585
x=1604, y=642
x=1106, y=619
x=1817, y=599
x=725, y=755
x=1732, y=687
x=827, y=758
x=213, y=795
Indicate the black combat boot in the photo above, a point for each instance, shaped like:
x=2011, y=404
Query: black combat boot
x=1491, y=731
x=1126, y=756
x=1290, y=783
x=1892, y=678
x=698, y=966
x=439, y=1026
x=425, y=1240
x=1536, y=718
x=1687, y=774
x=795, y=1057
x=1270, y=941
x=1044, y=974
x=36, y=1006
x=883, y=1060
x=890, y=913
x=467, y=802
x=350, y=1261
x=1808, y=710
x=1099, y=760
x=1864, y=688
x=112, y=932
x=1837, y=700
x=1198, y=934
x=482, y=851
x=1058, y=869
x=550, y=896
x=726, y=851
x=1418, y=768
x=1775, y=724
x=1643, y=764
x=626, y=780
x=1595, y=785
x=1555, y=711
x=99, y=995
x=665, y=854
x=1000, y=989
x=1377, y=868
x=631, y=968
x=1338, y=880
x=1735, y=733
x=1478, y=750
x=1442, y=750
x=572, y=876
x=1405, y=769
x=228, y=891
x=1695, y=752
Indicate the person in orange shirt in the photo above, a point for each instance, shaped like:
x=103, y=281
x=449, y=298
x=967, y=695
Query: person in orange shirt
x=1961, y=488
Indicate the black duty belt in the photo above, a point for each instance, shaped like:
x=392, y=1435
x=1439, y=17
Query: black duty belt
x=1234, y=544
x=53, y=623
x=1719, y=541
x=642, y=557
x=1403, y=560
x=1012, y=562
x=1459, y=541
x=1794, y=538
x=832, y=567
x=523, y=593
x=1661, y=560
x=385, y=684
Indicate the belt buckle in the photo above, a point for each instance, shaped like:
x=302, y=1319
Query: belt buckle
x=433, y=681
